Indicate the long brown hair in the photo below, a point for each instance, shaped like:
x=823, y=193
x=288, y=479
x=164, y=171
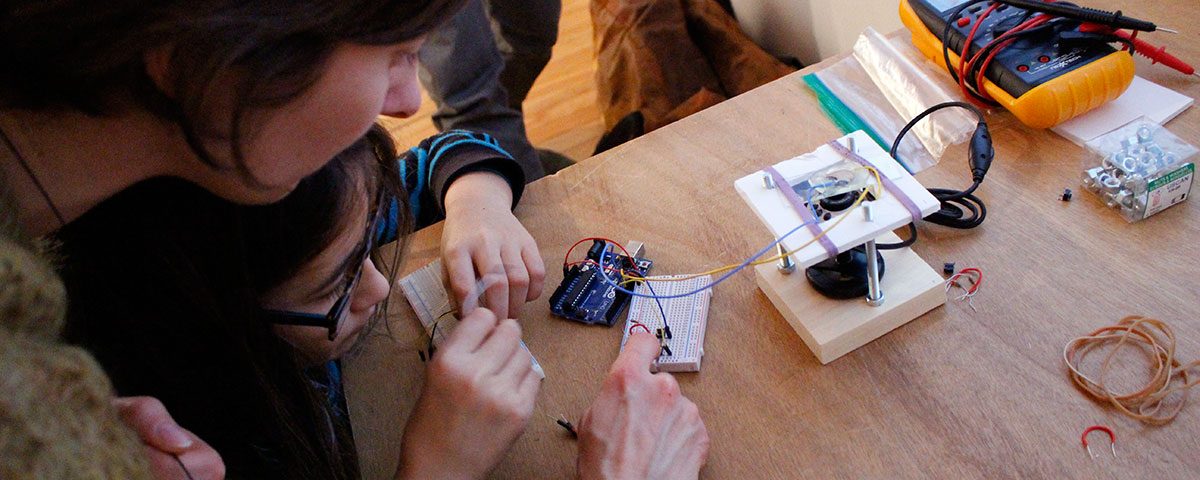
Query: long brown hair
x=165, y=282
x=87, y=54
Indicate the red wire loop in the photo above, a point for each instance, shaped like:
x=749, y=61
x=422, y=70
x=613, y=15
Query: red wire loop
x=975, y=282
x=1112, y=438
x=567, y=257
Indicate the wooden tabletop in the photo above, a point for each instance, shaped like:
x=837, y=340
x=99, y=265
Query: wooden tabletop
x=956, y=392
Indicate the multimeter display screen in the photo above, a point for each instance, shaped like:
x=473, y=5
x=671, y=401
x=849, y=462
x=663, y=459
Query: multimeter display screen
x=944, y=5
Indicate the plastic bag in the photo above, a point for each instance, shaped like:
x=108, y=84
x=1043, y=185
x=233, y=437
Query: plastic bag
x=885, y=84
x=1140, y=168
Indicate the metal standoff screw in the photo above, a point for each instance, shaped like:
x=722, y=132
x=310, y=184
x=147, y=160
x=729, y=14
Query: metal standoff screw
x=786, y=265
x=768, y=181
x=874, y=294
x=868, y=213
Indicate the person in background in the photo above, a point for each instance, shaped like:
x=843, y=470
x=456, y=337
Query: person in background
x=478, y=69
x=245, y=100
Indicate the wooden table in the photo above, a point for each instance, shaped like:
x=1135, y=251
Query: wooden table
x=955, y=393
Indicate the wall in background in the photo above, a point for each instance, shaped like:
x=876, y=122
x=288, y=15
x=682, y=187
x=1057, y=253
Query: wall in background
x=813, y=29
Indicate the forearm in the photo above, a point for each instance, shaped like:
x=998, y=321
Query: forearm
x=429, y=170
x=477, y=190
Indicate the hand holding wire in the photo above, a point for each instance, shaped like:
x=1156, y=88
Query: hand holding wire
x=478, y=396
x=482, y=240
x=173, y=452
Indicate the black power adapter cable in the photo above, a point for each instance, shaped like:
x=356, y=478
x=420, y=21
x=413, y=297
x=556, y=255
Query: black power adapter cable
x=959, y=208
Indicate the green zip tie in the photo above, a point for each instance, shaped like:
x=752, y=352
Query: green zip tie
x=842, y=116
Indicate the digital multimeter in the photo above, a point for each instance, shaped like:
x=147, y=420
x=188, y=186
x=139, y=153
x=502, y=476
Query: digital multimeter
x=1043, y=81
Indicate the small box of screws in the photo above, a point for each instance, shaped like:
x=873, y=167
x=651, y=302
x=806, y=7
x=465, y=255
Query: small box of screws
x=1142, y=169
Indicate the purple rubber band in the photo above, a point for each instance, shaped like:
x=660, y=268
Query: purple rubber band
x=887, y=183
x=801, y=210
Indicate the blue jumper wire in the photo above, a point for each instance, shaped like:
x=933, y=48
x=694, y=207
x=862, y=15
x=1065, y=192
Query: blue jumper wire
x=720, y=279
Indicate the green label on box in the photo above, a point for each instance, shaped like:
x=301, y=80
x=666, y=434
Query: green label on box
x=1173, y=176
x=1169, y=189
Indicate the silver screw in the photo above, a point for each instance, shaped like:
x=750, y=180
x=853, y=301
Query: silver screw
x=786, y=265
x=874, y=294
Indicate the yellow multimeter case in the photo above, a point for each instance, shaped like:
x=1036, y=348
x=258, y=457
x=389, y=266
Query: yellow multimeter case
x=1041, y=82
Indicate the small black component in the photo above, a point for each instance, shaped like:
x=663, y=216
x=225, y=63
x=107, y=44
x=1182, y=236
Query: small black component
x=839, y=202
x=948, y=268
x=567, y=425
x=843, y=276
x=1066, y=196
x=660, y=332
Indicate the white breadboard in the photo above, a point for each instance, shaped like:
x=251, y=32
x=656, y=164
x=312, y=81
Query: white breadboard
x=687, y=316
x=425, y=290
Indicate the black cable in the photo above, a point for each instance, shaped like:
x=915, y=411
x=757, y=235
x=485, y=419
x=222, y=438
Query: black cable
x=912, y=238
x=186, y=472
x=946, y=51
x=973, y=73
x=959, y=208
x=1066, y=10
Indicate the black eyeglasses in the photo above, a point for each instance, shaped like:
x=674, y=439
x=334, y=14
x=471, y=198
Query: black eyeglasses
x=333, y=319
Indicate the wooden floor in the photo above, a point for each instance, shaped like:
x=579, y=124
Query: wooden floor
x=560, y=111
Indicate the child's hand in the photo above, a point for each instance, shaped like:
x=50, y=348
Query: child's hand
x=640, y=426
x=166, y=441
x=479, y=393
x=482, y=240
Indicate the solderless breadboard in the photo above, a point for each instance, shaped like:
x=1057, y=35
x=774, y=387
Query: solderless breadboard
x=425, y=290
x=687, y=317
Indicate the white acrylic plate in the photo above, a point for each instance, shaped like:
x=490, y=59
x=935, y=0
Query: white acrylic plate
x=887, y=211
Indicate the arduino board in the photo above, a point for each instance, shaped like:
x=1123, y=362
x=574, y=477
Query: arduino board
x=586, y=298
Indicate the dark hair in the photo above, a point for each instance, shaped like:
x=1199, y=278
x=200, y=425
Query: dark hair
x=84, y=54
x=165, y=282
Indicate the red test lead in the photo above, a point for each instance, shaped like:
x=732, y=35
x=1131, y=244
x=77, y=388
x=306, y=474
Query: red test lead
x=1146, y=49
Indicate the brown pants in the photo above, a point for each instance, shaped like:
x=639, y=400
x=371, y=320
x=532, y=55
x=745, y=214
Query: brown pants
x=671, y=58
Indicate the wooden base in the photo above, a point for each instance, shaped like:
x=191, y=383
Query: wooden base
x=832, y=328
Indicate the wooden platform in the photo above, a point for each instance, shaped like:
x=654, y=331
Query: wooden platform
x=832, y=328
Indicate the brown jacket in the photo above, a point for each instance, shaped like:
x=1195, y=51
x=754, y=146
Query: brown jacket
x=671, y=58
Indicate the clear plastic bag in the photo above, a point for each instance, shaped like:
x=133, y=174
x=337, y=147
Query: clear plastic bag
x=1140, y=169
x=885, y=84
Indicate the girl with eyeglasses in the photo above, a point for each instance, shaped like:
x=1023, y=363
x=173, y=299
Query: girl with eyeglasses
x=246, y=101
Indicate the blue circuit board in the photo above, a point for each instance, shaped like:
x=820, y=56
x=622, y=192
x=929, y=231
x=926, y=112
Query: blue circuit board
x=584, y=297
